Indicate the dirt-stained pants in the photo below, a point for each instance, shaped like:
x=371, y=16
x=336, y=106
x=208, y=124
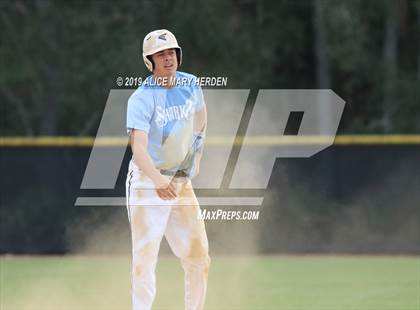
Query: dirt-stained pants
x=150, y=219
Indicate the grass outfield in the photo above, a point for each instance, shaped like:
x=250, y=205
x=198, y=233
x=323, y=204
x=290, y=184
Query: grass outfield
x=258, y=282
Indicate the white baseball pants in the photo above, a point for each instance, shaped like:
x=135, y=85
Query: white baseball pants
x=150, y=219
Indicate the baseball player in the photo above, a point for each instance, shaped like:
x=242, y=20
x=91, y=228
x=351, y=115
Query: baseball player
x=166, y=124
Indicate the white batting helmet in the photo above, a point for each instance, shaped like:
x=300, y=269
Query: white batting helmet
x=157, y=41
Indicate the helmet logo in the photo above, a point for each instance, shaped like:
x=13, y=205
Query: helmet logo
x=162, y=36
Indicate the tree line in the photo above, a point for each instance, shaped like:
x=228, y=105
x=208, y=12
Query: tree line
x=60, y=58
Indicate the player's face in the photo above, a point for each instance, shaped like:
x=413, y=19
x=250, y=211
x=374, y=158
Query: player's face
x=165, y=62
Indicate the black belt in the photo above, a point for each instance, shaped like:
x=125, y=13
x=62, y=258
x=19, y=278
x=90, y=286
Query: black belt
x=177, y=174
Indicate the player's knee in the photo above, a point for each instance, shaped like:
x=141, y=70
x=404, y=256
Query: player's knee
x=200, y=264
x=197, y=256
x=144, y=257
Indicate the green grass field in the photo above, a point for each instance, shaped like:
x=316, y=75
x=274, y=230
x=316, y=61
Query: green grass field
x=256, y=282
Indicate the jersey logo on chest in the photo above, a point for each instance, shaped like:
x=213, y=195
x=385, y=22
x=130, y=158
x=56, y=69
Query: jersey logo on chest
x=173, y=113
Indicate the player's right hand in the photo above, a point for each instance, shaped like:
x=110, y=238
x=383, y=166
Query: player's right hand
x=165, y=189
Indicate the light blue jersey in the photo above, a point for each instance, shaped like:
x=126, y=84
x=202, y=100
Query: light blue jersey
x=167, y=116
